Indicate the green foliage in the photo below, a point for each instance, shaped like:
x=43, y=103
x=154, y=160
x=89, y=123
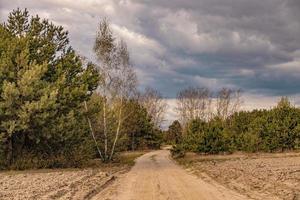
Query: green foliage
x=178, y=151
x=174, y=133
x=214, y=138
x=259, y=130
x=42, y=86
x=139, y=129
x=207, y=137
x=137, y=132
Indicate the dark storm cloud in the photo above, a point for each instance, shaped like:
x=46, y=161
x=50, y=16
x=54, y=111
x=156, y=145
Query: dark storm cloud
x=252, y=44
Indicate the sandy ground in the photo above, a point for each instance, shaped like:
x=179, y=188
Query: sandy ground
x=155, y=176
x=49, y=184
x=260, y=176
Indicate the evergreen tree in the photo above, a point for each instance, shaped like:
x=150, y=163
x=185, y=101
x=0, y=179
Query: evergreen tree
x=42, y=86
x=174, y=133
x=271, y=130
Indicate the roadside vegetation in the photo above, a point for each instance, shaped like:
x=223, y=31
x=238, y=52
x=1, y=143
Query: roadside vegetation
x=57, y=109
x=215, y=125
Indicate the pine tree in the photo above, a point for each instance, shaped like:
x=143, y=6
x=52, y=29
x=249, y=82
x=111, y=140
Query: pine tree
x=174, y=133
x=43, y=83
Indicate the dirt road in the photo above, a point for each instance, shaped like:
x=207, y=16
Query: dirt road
x=155, y=176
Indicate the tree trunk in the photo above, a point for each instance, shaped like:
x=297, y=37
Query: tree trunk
x=132, y=141
x=92, y=131
x=105, y=129
x=117, y=132
x=10, y=156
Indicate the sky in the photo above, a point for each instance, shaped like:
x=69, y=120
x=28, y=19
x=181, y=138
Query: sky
x=253, y=45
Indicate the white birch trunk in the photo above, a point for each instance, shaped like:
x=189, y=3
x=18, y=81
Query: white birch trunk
x=92, y=132
x=118, y=130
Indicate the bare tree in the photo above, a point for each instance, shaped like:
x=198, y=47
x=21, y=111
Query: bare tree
x=198, y=103
x=118, y=83
x=125, y=87
x=237, y=101
x=104, y=49
x=193, y=103
x=228, y=102
x=155, y=105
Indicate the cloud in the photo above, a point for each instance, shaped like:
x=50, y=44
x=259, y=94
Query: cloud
x=253, y=45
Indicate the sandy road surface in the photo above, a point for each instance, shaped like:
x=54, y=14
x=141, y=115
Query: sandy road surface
x=155, y=176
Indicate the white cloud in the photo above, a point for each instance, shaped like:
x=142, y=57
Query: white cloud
x=291, y=67
x=171, y=114
x=137, y=40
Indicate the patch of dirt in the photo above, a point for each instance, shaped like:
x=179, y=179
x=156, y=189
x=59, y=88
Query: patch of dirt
x=65, y=183
x=54, y=184
x=265, y=176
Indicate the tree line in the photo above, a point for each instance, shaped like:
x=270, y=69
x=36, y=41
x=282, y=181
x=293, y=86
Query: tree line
x=214, y=124
x=57, y=109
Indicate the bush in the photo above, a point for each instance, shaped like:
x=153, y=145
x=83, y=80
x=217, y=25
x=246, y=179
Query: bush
x=77, y=156
x=272, y=130
x=178, y=151
x=214, y=138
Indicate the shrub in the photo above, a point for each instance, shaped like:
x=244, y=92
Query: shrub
x=277, y=129
x=177, y=151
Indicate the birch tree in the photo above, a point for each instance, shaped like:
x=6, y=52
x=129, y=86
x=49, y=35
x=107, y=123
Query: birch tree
x=117, y=85
x=124, y=86
x=228, y=102
x=104, y=49
x=193, y=103
x=155, y=105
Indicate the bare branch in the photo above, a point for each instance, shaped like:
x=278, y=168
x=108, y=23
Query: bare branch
x=193, y=103
x=155, y=105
